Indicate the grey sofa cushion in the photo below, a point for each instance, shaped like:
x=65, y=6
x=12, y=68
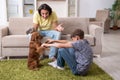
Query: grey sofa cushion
x=70, y=24
x=18, y=26
x=15, y=41
x=90, y=38
x=18, y=41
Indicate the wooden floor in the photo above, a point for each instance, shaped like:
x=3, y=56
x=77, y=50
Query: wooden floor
x=110, y=57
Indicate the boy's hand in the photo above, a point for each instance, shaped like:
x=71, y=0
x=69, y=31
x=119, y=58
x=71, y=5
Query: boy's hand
x=49, y=41
x=44, y=45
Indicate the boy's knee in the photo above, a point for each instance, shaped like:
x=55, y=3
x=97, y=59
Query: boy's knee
x=61, y=49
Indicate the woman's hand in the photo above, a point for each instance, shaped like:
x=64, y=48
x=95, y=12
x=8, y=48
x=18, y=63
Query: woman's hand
x=59, y=28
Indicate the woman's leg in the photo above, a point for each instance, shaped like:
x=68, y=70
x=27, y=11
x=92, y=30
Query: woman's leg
x=67, y=55
x=54, y=35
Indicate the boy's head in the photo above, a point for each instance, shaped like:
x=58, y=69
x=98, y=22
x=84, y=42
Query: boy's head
x=77, y=34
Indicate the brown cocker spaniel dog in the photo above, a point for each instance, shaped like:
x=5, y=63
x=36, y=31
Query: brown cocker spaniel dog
x=35, y=50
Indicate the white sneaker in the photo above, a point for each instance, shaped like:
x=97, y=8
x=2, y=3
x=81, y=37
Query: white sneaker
x=53, y=64
x=61, y=68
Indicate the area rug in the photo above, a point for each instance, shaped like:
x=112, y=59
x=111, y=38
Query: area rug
x=16, y=69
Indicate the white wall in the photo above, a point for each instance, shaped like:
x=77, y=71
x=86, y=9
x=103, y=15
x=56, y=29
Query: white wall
x=87, y=8
x=60, y=7
x=3, y=13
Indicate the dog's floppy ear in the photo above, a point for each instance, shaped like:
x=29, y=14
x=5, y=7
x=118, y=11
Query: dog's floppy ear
x=33, y=36
x=36, y=36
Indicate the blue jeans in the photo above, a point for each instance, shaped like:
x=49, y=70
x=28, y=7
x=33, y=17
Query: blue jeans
x=67, y=55
x=53, y=35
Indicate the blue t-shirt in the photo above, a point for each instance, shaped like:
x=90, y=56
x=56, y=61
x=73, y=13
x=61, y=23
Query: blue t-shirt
x=83, y=54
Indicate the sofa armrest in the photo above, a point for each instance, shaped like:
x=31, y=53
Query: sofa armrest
x=97, y=32
x=99, y=23
x=3, y=32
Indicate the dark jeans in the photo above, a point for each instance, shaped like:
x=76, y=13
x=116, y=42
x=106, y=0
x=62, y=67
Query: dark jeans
x=67, y=55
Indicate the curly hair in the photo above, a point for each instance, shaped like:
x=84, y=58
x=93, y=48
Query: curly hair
x=45, y=7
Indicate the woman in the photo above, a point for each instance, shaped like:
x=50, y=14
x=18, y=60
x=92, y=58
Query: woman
x=46, y=22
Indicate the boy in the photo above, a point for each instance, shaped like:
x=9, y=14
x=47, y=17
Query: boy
x=77, y=53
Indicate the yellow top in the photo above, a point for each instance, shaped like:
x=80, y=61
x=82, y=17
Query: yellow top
x=44, y=24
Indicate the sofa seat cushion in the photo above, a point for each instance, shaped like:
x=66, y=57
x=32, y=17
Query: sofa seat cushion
x=15, y=41
x=90, y=38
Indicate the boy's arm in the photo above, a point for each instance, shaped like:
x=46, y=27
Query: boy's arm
x=58, y=45
x=57, y=41
x=60, y=41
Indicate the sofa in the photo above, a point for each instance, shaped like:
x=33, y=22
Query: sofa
x=15, y=42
